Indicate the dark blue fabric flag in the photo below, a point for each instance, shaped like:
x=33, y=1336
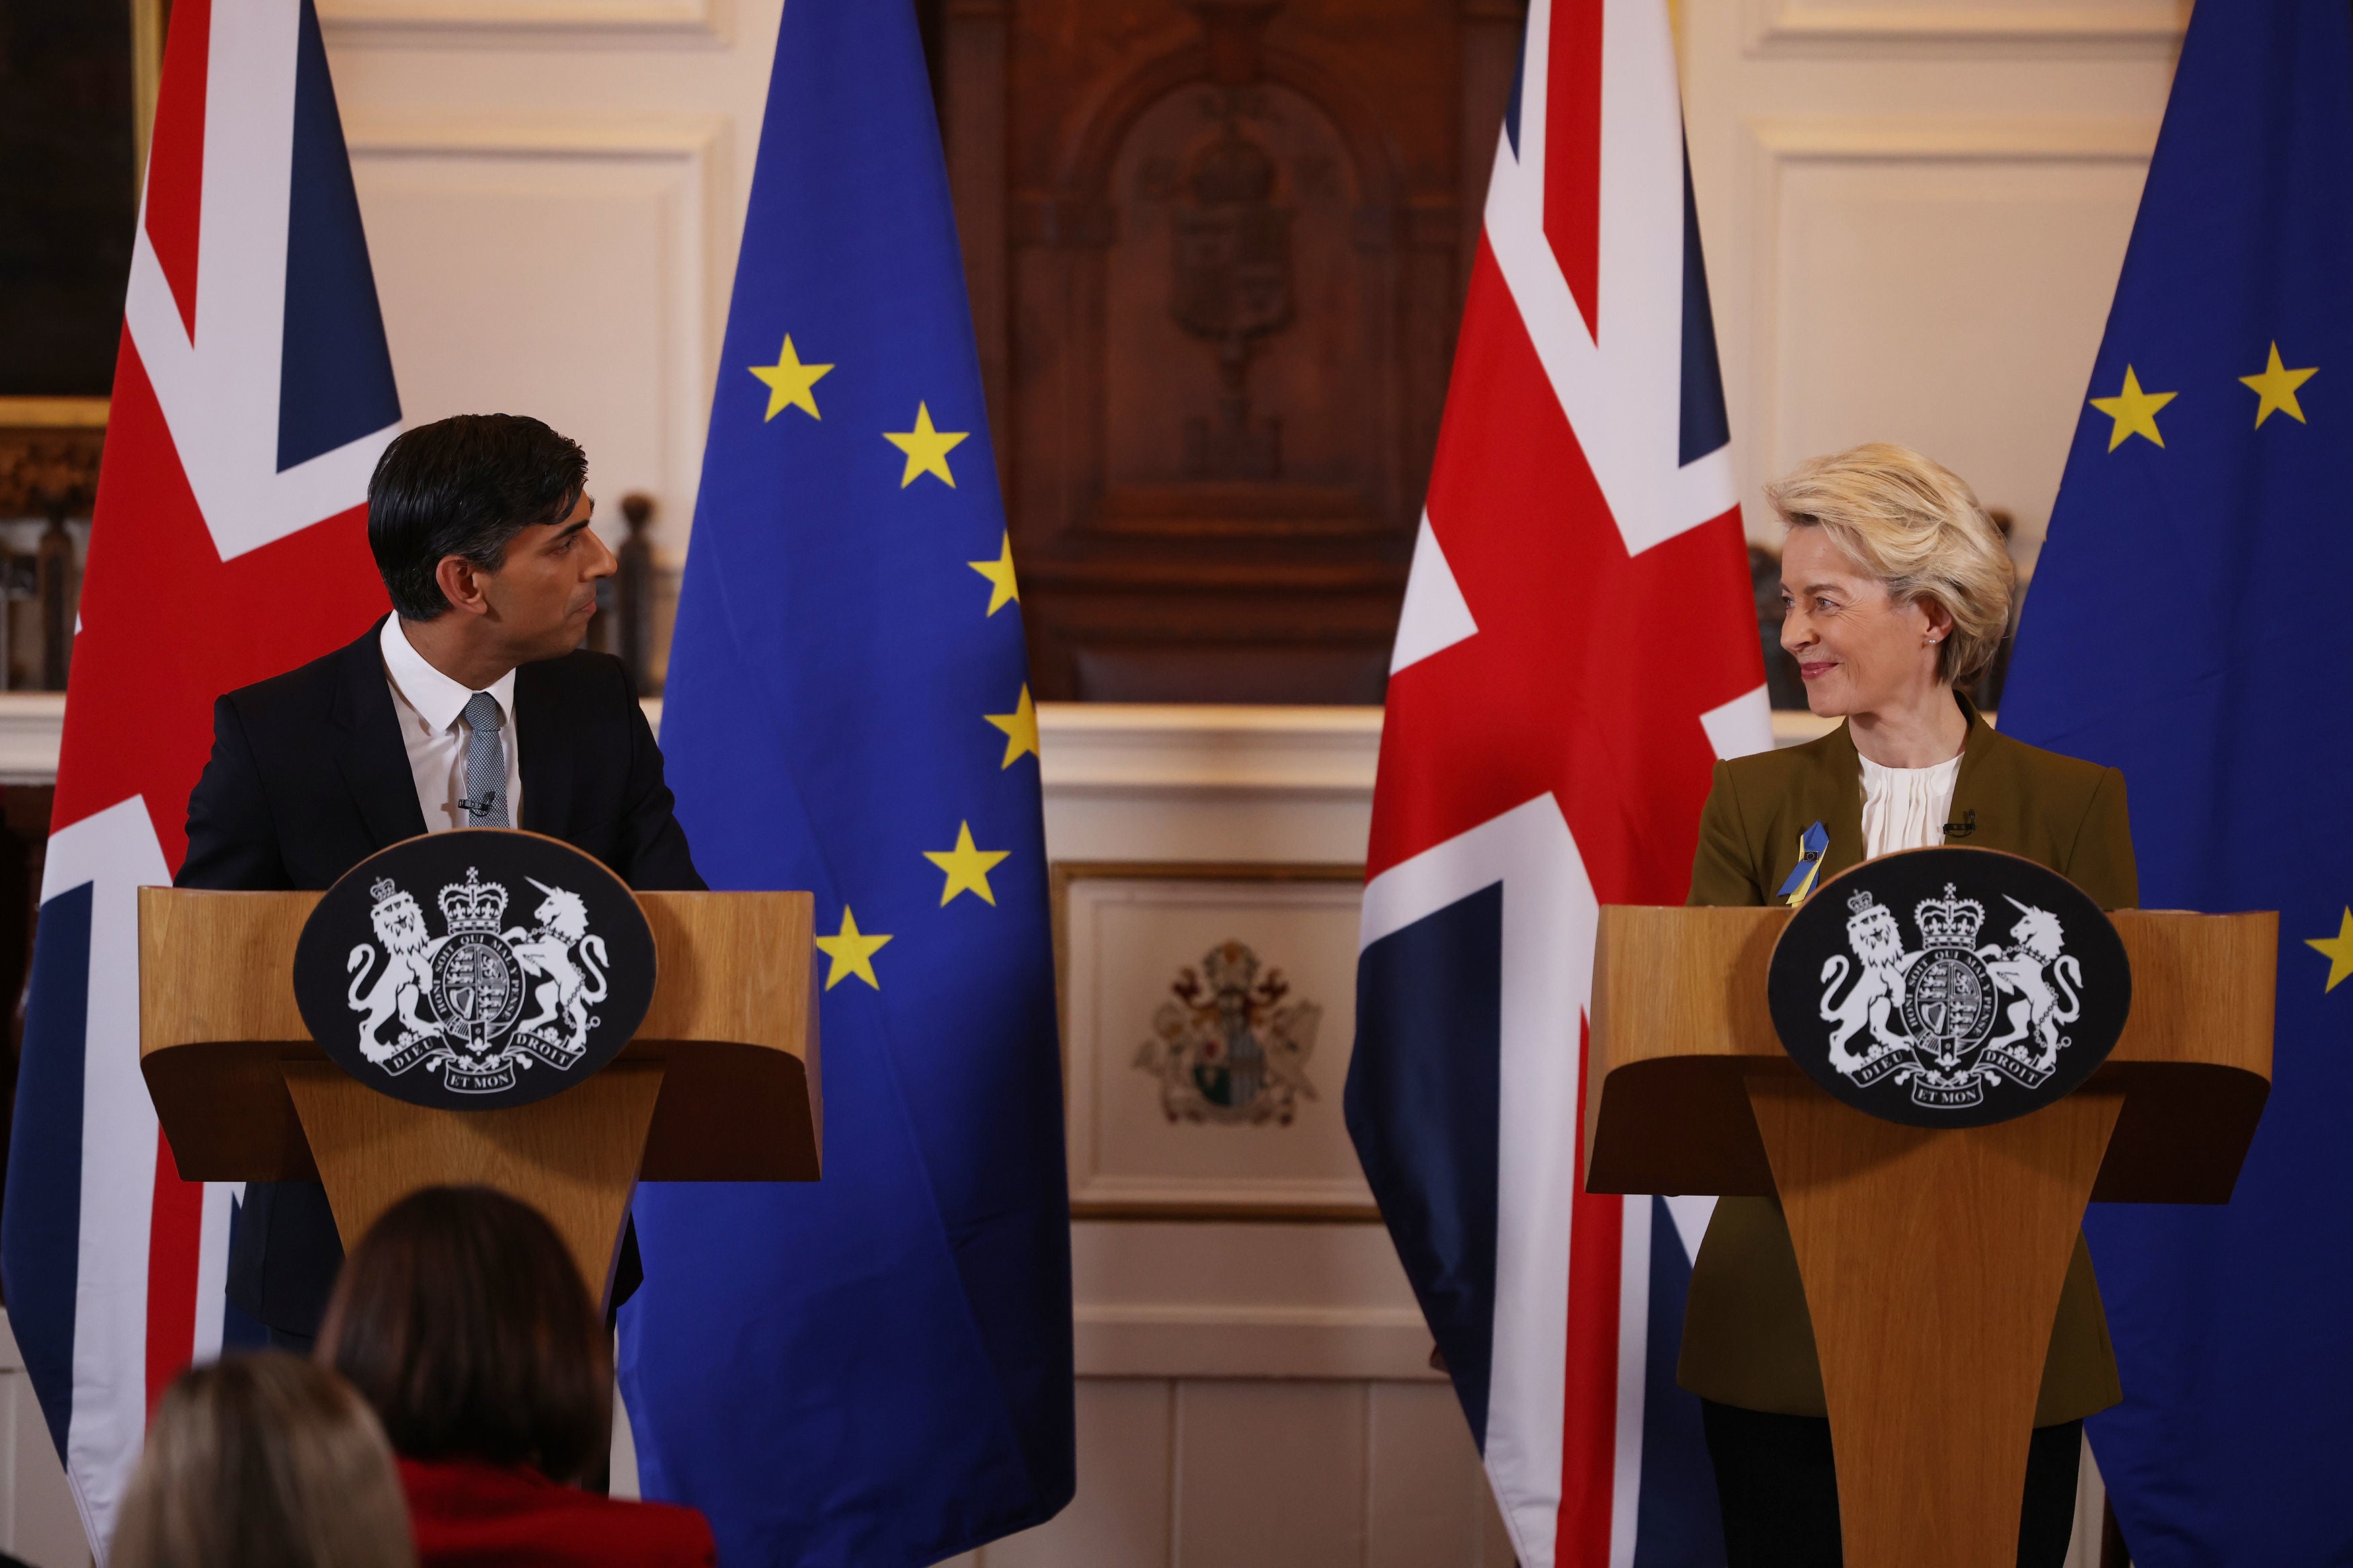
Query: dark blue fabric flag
x=2187, y=625
x=874, y=1369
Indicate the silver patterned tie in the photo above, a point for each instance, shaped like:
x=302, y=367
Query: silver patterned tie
x=486, y=763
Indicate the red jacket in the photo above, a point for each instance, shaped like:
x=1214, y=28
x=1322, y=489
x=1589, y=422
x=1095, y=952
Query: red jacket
x=471, y=1515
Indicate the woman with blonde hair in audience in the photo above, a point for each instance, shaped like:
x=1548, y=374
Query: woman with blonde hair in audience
x=263, y=1461
x=463, y=1320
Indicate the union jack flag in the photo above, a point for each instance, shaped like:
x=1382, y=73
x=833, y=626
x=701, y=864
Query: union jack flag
x=1578, y=646
x=253, y=391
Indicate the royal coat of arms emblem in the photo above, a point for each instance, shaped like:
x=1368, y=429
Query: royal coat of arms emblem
x=459, y=998
x=491, y=1010
x=1230, y=1048
x=1955, y=1031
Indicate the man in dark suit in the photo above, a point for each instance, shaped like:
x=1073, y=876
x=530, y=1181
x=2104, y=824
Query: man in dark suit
x=472, y=706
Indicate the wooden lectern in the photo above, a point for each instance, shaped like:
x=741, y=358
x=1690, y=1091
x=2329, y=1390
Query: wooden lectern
x=720, y=1083
x=1932, y=1259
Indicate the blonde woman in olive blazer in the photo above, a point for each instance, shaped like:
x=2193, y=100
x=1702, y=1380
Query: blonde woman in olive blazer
x=1897, y=590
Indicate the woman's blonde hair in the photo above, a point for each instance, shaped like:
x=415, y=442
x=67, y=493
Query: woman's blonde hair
x=1917, y=527
x=263, y=1461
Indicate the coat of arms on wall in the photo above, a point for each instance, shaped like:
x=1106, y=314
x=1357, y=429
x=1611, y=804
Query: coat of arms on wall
x=1231, y=1047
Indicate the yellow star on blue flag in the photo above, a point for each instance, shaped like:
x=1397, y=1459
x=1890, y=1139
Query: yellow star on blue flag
x=2185, y=638
x=2134, y=411
x=2337, y=950
x=927, y=449
x=789, y=380
x=848, y=715
x=2274, y=388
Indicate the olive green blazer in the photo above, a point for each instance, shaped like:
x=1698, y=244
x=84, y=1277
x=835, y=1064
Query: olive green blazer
x=1749, y=1339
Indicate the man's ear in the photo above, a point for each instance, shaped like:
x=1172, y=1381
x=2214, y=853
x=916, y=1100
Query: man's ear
x=460, y=581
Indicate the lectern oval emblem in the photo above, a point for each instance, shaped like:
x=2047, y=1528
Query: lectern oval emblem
x=2009, y=988
x=540, y=969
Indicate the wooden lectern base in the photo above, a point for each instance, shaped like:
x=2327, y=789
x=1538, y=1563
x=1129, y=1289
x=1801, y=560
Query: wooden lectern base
x=574, y=1156
x=1932, y=1348
x=1933, y=1260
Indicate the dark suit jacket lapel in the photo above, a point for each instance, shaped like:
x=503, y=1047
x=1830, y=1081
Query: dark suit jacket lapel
x=545, y=728
x=375, y=763
x=1970, y=792
x=1839, y=796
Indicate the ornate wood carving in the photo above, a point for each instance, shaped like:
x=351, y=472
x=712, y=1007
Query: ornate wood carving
x=47, y=468
x=1216, y=249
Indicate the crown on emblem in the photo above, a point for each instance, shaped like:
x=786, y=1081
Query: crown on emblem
x=382, y=889
x=1860, y=900
x=476, y=905
x=1230, y=966
x=1949, y=921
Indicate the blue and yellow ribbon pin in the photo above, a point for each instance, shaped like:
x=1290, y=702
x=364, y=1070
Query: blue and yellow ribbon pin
x=1813, y=844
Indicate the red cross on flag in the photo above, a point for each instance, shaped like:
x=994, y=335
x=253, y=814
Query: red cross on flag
x=1578, y=647
x=253, y=393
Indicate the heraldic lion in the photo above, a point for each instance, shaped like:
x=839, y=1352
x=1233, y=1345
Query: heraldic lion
x=1878, y=941
x=405, y=977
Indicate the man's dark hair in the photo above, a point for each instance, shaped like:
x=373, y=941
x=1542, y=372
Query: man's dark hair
x=464, y=486
x=463, y=1320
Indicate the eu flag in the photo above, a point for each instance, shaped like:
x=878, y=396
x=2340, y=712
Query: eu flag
x=2187, y=625
x=873, y=1369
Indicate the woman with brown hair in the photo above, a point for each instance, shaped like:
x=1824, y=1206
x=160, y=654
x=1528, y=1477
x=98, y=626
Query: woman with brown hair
x=462, y=1319
x=263, y=1461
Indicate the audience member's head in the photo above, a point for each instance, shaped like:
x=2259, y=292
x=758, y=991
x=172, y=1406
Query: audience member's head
x=263, y=1461
x=463, y=1320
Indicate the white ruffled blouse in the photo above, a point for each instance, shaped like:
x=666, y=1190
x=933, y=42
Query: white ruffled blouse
x=1906, y=808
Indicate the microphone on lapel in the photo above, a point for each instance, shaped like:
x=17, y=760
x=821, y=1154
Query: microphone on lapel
x=1965, y=826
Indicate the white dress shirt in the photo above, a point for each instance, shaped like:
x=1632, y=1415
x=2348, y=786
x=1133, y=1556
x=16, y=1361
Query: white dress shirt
x=431, y=707
x=1906, y=808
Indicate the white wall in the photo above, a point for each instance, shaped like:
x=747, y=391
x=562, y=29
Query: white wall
x=1915, y=212
x=553, y=191
x=38, y=1518
x=1250, y=1393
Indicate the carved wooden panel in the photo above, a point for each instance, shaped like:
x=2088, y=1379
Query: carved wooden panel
x=1216, y=250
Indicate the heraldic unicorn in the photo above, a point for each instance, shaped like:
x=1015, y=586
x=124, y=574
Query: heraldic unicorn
x=457, y=1003
x=1927, y=1017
